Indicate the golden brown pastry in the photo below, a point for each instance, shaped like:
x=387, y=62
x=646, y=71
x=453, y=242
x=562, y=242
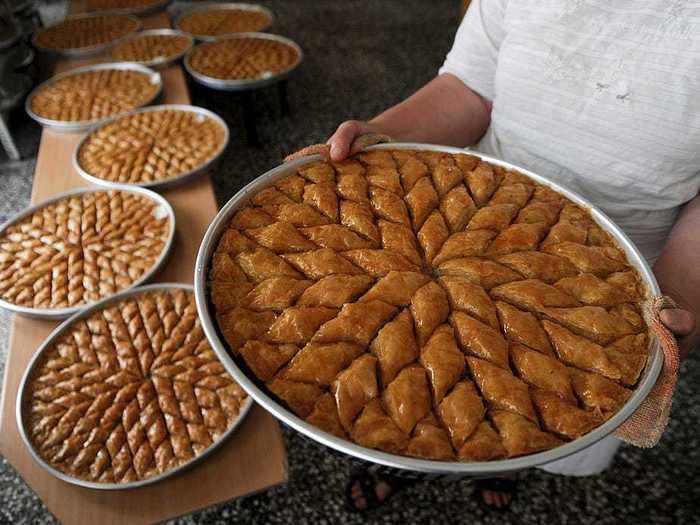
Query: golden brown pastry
x=461, y=411
x=130, y=392
x=85, y=32
x=151, y=146
x=430, y=440
x=147, y=48
x=80, y=249
x=443, y=361
x=431, y=305
x=217, y=22
x=485, y=444
x=93, y=95
x=563, y=418
x=106, y=5
x=395, y=346
x=246, y=58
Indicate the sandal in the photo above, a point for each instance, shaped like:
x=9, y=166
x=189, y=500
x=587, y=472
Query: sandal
x=368, y=481
x=503, y=485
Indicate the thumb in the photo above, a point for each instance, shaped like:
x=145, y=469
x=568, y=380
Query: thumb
x=680, y=322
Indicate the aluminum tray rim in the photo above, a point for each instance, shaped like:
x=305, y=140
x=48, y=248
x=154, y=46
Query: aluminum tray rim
x=62, y=313
x=245, y=406
x=83, y=125
x=453, y=468
x=240, y=6
x=164, y=183
x=244, y=84
x=159, y=62
x=84, y=52
x=141, y=11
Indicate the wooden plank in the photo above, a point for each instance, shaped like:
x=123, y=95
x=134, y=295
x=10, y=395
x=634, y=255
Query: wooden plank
x=252, y=459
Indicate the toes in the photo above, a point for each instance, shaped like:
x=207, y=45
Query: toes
x=496, y=500
x=382, y=490
x=358, y=497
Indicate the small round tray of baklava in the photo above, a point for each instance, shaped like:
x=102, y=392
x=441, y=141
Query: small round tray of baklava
x=154, y=147
x=87, y=96
x=131, y=7
x=78, y=247
x=128, y=392
x=153, y=48
x=216, y=20
x=242, y=62
x=85, y=35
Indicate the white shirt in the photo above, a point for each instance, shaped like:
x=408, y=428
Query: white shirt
x=601, y=96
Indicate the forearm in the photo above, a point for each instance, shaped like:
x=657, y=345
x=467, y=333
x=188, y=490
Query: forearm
x=678, y=268
x=444, y=111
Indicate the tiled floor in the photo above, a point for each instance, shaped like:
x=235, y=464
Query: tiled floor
x=387, y=50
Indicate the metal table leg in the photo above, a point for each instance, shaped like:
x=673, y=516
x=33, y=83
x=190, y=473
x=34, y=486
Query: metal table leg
x=283, y=98
x=7, y=141
x=249, y=118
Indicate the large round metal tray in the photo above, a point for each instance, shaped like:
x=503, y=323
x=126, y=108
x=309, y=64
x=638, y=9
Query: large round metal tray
x=144, y=10
x=62, y=313
x=244, y=84
x=245, y=406
x=83, y=125
x=82, y=52
x=205, y=308
x=228, y=5
x=164, y=183
x=160, y=62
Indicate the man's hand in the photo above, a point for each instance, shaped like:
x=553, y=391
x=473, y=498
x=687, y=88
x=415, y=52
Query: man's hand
x=678, y=272
x=683, y=324
x=341, y=141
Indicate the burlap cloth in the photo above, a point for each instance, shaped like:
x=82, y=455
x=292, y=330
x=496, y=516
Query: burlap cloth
x=646, y=425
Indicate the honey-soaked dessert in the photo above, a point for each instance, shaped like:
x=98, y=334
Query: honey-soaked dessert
x=94, y=95
x=148, y=48
x=81, y=248
x=130, y=392
x=151, y=146
x=122, y=5
x=217, y=22
x=246, y=58
x=85, y=32
x=431, y=305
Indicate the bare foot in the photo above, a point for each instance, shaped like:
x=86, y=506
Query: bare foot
x=495, y=499
x=369, y=481
x=496, y=493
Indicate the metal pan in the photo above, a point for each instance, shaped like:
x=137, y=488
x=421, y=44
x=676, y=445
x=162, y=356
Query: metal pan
x=244, y=84
x=425, y=467
x=159, y=184
x=82, y=52
x=83, y=125
x=228, y=5
x=62, y=313
x=19, y=412
x=143, y=10
x=160, y=62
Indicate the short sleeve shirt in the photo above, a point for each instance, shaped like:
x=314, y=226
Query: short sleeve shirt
x=602, y=97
